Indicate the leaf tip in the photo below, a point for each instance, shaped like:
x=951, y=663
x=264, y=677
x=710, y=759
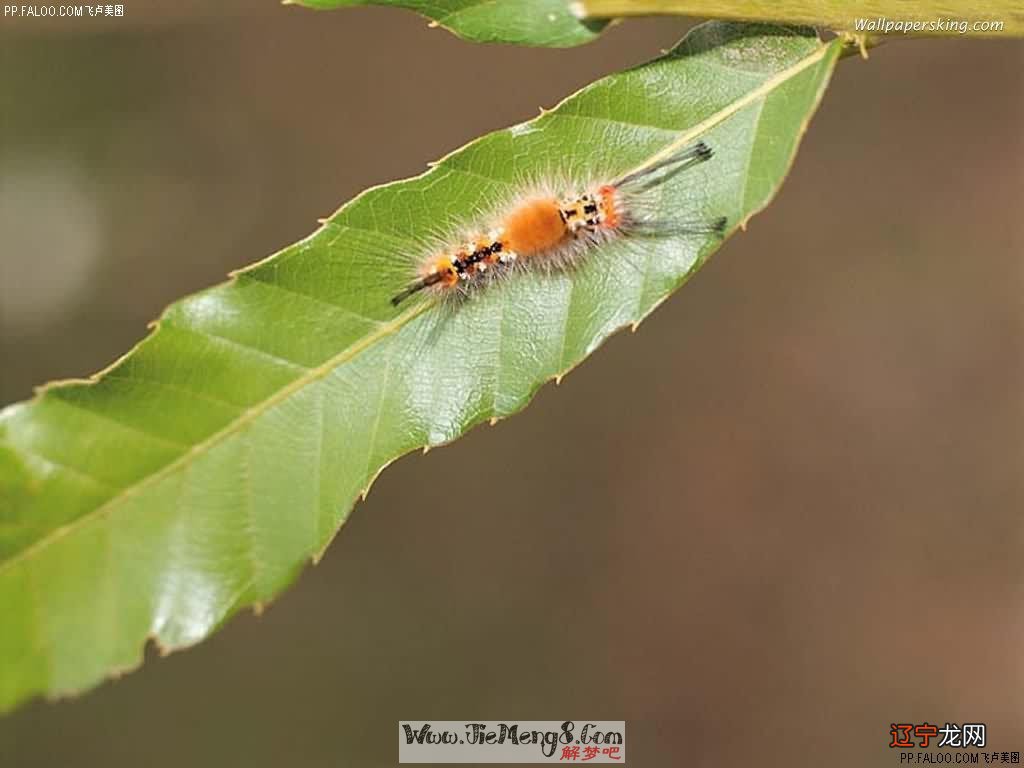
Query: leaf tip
x=493, y=420
x=426, y=449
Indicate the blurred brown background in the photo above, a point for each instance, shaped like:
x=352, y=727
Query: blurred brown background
x=805, y=526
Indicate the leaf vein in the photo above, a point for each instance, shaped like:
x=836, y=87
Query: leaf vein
x=312, y=374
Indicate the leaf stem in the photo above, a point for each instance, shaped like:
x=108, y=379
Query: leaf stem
x=838, y=15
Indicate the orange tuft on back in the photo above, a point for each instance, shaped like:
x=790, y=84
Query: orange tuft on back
x=610, y=206
x=534, y=226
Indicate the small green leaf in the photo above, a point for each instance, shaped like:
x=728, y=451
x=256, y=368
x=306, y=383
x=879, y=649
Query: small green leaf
x=200, y=473
x=548, y=23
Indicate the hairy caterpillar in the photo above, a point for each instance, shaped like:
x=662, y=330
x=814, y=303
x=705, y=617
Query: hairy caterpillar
x=557, y=230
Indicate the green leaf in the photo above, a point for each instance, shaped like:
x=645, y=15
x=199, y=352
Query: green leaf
x=994, y=18
x=548, y=23
x=199, y=473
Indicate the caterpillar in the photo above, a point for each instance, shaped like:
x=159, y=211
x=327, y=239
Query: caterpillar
x=555, y=230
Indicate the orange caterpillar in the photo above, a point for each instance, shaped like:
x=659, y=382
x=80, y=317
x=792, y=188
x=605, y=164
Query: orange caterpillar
x=555, y=229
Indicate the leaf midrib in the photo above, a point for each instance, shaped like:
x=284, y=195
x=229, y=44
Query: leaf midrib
x=386, y=329
x=245, y=418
